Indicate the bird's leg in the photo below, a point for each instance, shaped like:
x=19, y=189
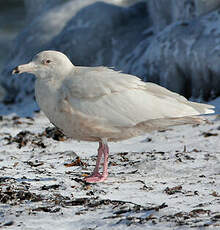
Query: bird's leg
x=100, y=152
x=105, y=166
x=96, y=176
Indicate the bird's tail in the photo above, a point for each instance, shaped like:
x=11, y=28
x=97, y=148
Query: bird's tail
x=163, y=123
x=202, y=108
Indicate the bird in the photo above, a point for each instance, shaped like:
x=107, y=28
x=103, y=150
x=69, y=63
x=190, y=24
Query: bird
x=100, y=104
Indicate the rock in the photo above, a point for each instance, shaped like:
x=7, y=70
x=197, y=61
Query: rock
x=178, y=11
x=174, y=46
x=33, y=10
x=2, y=93
x=110, y=38
x=52, y=27
x=184, y=57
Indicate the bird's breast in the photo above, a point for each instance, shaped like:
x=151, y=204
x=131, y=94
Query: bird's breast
x=47, y=97
x=45, y=94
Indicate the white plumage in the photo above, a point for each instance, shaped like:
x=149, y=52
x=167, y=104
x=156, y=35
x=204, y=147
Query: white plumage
x=100, y=104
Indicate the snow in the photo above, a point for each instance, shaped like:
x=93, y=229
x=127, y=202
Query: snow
x=173, y=176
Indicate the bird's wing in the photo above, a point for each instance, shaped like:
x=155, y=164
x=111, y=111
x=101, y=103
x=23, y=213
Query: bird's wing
x=122, y=100
x=91, y=82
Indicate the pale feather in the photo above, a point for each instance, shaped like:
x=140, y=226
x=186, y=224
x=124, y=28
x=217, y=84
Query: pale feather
x=122, y=99
x=97, y=102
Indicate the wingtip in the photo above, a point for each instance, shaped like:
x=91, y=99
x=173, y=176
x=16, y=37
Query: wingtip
x=210, y=109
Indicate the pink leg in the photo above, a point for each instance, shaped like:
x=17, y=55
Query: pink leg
x=100, y=152
x=105, y=167
x=96, y=176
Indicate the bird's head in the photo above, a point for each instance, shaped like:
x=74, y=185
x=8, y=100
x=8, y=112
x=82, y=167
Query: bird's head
x=46, y=64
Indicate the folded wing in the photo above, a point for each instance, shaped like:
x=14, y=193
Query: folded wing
x=123, y=100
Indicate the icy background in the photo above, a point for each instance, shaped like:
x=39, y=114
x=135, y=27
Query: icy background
x=173, y=43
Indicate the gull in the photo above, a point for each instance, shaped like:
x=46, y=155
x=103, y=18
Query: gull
x=100, y=104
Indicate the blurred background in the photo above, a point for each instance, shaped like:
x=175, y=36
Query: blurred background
x=173, y=43
x=12, y=20
x=14, y=14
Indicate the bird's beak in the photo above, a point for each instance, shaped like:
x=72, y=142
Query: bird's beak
x=26, y=68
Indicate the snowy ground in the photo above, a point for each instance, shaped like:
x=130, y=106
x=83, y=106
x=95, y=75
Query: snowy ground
x=163, y=180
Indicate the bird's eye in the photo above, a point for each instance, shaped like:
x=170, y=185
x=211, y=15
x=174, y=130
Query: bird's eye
x=48, y=61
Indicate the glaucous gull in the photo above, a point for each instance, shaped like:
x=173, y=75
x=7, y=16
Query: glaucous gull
x=100, y=104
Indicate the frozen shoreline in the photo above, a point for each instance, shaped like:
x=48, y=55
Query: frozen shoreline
x=170, y=186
